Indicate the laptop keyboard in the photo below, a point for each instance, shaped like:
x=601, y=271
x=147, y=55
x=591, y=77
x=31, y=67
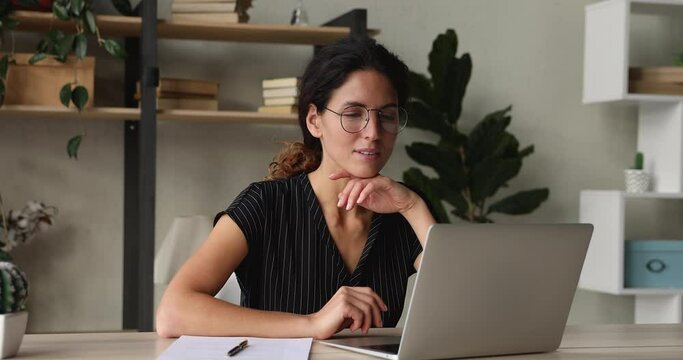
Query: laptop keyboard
x=387, y=348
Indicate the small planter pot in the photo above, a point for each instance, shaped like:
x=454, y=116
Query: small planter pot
x=637, y=181
x=12, y=329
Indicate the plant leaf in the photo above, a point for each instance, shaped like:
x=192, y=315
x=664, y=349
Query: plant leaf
x=65, y=95
x=43, y=46
x=73, y=145
x=81, y=45
x=523, y=202
x=415, y=179
x=124, y=7
x=422, y=116
x=89, y=21
x=526, y=151
x=421, y=88
x=491, y=174
x=55, y=35
x=79, y=96
x=2, y=87
x=4, y=66
x=60, y=11
x=65, y=45
x=484, y=138
x=114, y=48
x=456, y=77
x=77, y=6
x=36, y=58
x=446, y=163
x=444, y=48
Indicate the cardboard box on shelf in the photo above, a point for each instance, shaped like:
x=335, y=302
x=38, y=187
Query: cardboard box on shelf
x=39, y=84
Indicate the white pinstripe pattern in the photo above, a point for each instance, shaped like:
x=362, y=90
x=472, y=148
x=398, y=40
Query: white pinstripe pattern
x=293, y=263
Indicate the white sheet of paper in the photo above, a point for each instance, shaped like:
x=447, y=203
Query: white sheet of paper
x=208, y=348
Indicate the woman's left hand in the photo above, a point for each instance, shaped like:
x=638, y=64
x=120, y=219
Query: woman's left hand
x=379, y=194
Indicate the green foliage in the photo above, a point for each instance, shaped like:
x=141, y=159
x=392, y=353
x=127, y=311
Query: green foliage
x=13, y=287
x=639, y=161
x=73, y=145
x=58, y=45
x=678, y=60
x=470, y=168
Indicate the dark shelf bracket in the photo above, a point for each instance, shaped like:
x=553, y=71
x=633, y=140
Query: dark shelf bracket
x=356, y=20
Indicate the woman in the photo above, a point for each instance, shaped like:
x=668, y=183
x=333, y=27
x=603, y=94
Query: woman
x=327, y=243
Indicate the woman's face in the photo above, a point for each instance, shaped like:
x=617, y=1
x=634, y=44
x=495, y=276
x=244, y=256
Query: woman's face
x=364, y=153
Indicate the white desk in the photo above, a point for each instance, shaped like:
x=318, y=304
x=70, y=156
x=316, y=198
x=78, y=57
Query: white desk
x=579, y=342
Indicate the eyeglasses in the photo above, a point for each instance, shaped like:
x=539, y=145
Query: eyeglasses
x=355, y=118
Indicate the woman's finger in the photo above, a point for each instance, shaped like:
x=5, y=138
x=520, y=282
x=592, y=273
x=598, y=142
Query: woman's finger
x=353, y=195
x=364, y=300
x=373, y=294
x=367, y=190
x=344, y=195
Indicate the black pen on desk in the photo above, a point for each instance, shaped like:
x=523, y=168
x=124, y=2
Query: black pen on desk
x=234, y=351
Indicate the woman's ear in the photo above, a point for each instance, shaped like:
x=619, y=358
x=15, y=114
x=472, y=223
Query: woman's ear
x=313, y=121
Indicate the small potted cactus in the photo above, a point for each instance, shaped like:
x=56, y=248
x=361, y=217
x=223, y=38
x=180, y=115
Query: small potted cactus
x=636, y=179
x=17, y=227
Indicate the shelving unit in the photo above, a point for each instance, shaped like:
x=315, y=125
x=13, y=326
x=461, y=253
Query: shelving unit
x=141, y=34
x=603, y=269
x=133, y=114
x=130, y=26
x=620, y=34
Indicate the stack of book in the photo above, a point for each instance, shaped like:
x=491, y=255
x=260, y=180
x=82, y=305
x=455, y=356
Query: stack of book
x=280, y=95
x=656, y=80
x=211, y=11
x=185, y=94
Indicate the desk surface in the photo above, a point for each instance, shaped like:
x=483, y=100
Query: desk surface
x=579, y=342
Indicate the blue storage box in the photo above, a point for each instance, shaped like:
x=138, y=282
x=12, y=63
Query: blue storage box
x=653, y=264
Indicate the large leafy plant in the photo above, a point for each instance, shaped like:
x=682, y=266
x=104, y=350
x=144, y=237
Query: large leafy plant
x=471, y=168
x=59, y=45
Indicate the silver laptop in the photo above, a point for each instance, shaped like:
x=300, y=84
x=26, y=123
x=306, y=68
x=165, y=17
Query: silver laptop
x=487, y=290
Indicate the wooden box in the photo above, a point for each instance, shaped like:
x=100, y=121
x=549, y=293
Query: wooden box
x=656, y=80
x=39, y=84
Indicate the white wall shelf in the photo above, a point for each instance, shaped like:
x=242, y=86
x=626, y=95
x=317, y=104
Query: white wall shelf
x=603, y=269
x=625, y=33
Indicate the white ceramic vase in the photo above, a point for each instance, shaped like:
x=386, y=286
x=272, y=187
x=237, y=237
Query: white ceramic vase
x=12, y=329
x=637, y=181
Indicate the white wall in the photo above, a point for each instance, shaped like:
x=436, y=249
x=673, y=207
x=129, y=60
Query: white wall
x=528, y=53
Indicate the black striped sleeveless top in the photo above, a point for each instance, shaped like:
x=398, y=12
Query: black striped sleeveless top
x=293, y=264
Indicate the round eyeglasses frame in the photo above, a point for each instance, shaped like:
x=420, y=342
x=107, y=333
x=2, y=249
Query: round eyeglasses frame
x=367, y=118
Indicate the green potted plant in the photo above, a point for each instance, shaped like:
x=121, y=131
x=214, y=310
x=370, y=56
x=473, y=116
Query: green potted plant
x=471, y=168
x=17, y=227
x=60, y=45
x=635, y=178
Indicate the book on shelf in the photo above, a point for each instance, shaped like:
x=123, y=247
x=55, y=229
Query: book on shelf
x=187, y=104
x=197, y=7
x=215, y=17
x=278, y=109
x=665, y=74
x=280, y=83
x=185, y=86
x=280, y=92
x=655, y=87
x=290, y=100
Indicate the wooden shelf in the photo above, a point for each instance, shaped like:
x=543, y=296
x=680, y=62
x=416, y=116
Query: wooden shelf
x=129, y=26
x=114, y=113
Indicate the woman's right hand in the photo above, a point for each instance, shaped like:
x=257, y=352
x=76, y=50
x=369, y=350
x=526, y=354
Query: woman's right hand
x=352, y=307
